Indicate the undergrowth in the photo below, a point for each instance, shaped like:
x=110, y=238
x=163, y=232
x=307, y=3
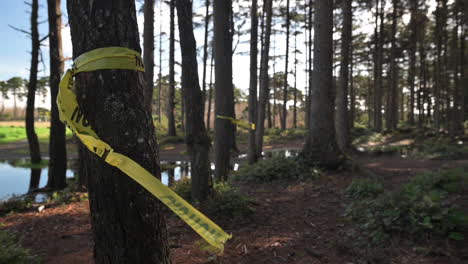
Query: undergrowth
x=226, y=203
x=12, y=252
x=422, y=209
x=276, y=169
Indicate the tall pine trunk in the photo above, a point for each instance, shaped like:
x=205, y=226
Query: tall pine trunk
x=148, y=50
x=57, y=145
x=341, y=114
x=412, y=58
x=285, y=87
x=34, y=150
x=378, y=78
x=392, y=97
x=205, y=50
x=264, y=89
x=126, y=219
x=224, y=92
x=198, y=142
x=171, y=129
x=252, y=153
x=321, y=148
x=210, y=94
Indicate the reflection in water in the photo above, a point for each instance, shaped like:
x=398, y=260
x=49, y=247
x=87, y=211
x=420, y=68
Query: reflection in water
x=35, y=179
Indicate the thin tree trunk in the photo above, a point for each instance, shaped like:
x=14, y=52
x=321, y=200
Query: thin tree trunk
x=160, y=63
x=35, y=179
x=321, y=148
x=352, y=93
x=311, y=76
x=285, y=88
x=341, y=114
x=34, y=150
x=252, y=153
x=148, y=50
x=205, y=51
x=264, y=83
x=210, y=94
x=392, y=106
x=295, y=81
x=378, y=81
x=126, y=219
x=57, y=144
x=171, y=96
x=224, y=95
x=412, y=58
x=198, y=142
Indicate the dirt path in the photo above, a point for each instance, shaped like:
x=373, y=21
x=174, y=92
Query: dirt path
x=295, y=223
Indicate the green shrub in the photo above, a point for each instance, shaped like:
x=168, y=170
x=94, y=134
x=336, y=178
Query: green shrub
x=228, y=204
x=272, y=169
x=11, y=251
x=364, y=188
x=15, y=204
x=183, y=188
x=422, y=208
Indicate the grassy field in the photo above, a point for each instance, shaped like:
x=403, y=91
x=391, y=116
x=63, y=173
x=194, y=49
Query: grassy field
x=15, y=131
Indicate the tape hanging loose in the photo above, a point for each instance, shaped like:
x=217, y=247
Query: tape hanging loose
x=72, y=116
x=238, y=122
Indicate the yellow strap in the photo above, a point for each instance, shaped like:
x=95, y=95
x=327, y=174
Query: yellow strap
x=238, y=122
x=71, y=115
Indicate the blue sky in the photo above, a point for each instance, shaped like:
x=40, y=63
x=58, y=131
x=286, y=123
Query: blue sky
x=15, y=46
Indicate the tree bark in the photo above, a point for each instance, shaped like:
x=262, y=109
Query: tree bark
x=285, y=87
x=148, y=51
x=205, y=50
x=412, y=58
x=310, y=70
x=210, y=94
x=224, y=95
x=126, y=219
x=34, y=150
x=171, y=96
x=252, y=153
x=378, y=65
x=264, y=82
x=392, y=106
x=198, y=142
x=321, y=148
x=341, y=124
x=57, y=144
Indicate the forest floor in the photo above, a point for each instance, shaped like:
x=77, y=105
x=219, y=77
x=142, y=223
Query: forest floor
x=293, y=222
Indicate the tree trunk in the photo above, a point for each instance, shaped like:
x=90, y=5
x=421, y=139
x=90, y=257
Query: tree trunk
x=160, y=63
x=34, y=179
x=341, y=124
x=210, y=94
x=310, y=71
x=295, y=80
x=34, y=150
x=285, y=88
x=252, y=153
x=171, y=96
x=392, y=106
x=352, y=93
x=205, y=51
x=378, y=80
x=126, y=219
x=412, y=58
x=57, y=144
x=148, y=51
x=198, y=142
x=264, y=82
x=224, y=95
x=321, y=148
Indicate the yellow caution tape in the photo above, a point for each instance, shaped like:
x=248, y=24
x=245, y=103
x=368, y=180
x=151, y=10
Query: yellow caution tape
x=72, y=116
x=238, y=122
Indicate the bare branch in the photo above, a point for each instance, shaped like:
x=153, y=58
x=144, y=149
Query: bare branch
x=20, y=30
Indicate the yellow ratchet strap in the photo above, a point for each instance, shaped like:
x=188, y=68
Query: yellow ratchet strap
x=72, y=116
x=238, y=122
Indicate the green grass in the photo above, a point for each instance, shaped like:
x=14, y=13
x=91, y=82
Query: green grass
x=12, y=252
x=13, y=134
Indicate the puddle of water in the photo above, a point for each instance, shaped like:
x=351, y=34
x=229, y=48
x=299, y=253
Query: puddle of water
x=15, y=181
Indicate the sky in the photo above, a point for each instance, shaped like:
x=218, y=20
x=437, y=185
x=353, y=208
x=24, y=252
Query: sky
x=15, y=47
